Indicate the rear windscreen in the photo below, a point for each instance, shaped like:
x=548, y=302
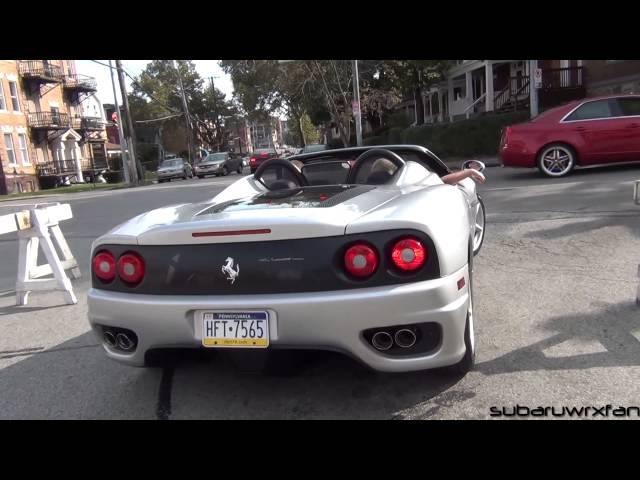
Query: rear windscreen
x=326, y=173
x=307, y=197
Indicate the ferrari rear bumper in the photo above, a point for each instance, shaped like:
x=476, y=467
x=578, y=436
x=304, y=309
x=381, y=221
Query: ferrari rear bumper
x=332, y=320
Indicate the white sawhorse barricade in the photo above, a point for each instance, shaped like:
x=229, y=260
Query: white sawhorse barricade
x=40, y=227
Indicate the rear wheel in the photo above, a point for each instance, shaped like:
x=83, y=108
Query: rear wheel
x=478, y=235
x=556, y=160
x=200, y=176
x=225, y=171
x=466, y=364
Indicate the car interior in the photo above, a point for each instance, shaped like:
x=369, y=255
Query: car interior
x=376, y=166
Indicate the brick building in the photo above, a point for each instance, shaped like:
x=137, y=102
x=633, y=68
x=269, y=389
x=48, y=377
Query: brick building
x=51, y=128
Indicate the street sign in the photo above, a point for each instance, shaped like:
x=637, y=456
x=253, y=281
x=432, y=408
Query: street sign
x=355, y=107
x=537, y=78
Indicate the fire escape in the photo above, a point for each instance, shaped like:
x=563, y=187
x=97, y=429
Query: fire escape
x=42, y=76
x=79, y=88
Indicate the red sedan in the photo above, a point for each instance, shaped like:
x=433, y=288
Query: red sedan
x=591, y=131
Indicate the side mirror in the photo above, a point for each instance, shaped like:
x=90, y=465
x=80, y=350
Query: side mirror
x=474, y=164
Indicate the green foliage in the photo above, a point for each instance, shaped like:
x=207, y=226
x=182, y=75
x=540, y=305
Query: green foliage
x=394, y=136
x=479, y=136
x=156, y=93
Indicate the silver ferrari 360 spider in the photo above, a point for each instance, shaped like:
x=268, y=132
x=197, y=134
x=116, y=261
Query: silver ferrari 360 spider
x=364, y=251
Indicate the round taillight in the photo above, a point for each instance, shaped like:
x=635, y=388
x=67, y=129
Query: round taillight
x=131, y=268
x=361, y=260
x=104, y=266
x=408, y=254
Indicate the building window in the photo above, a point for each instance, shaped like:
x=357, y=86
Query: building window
x=13, y=91
x=24, y=153
x=8, y=145
x=3, y=104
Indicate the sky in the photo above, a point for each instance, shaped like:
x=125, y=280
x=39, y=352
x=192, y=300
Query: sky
x=206, y=69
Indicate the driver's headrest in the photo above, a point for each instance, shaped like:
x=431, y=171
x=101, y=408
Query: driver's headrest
x=381, y=172
x=383, y=165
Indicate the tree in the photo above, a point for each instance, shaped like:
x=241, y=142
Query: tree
x=156, y=94
x=310, y=134
x=415, y=76
x=265, y=88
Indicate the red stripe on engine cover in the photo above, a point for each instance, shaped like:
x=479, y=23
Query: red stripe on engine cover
x=231, y=232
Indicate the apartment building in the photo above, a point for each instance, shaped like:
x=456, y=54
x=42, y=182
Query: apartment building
x=52, y=125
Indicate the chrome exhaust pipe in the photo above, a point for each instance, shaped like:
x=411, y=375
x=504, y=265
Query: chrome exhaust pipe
x=382, y=341
x=124, y=342
x=109, y=338
x=405, y=338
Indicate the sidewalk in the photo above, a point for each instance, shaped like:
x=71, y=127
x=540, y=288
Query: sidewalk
x=56, y=192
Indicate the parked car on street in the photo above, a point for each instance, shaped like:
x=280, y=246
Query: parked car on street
x=592, y=131
x=219, y=163
x=365, y=251
x=259, y=156
x=174, y=168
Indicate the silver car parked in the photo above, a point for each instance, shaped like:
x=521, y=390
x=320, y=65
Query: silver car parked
x=220, y=163
x=174, y=168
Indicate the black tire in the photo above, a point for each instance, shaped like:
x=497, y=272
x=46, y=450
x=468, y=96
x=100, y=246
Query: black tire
x=239, y=170
x=544, y=157
x=200, y=176
x=161, y=181
x=225, y=171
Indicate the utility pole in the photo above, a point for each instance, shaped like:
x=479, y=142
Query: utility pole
x=127, y=113
x=533, y=90
x=126, y=166
x=356, y=102
x=186, y=110
x=215, y=107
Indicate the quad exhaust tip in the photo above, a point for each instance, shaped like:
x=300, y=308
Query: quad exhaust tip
x=382, y=341
x=110, y=339
x=125, y=342
x=405, y=338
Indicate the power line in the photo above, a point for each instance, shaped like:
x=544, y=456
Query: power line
x=159, y=119
x=135, y=82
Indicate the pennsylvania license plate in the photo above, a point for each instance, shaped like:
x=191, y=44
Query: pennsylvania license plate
x=235, y=329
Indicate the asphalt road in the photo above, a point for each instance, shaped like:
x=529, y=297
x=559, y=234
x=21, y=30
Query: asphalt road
x=555, y=282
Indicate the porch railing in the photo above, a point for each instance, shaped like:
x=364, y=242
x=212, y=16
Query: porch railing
x=80, y=82
x=517, y=89
x=51, y=120
x=568, y=77
x=87, y=123
x=41, y=70
x=57, y=167
x=467, y=110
